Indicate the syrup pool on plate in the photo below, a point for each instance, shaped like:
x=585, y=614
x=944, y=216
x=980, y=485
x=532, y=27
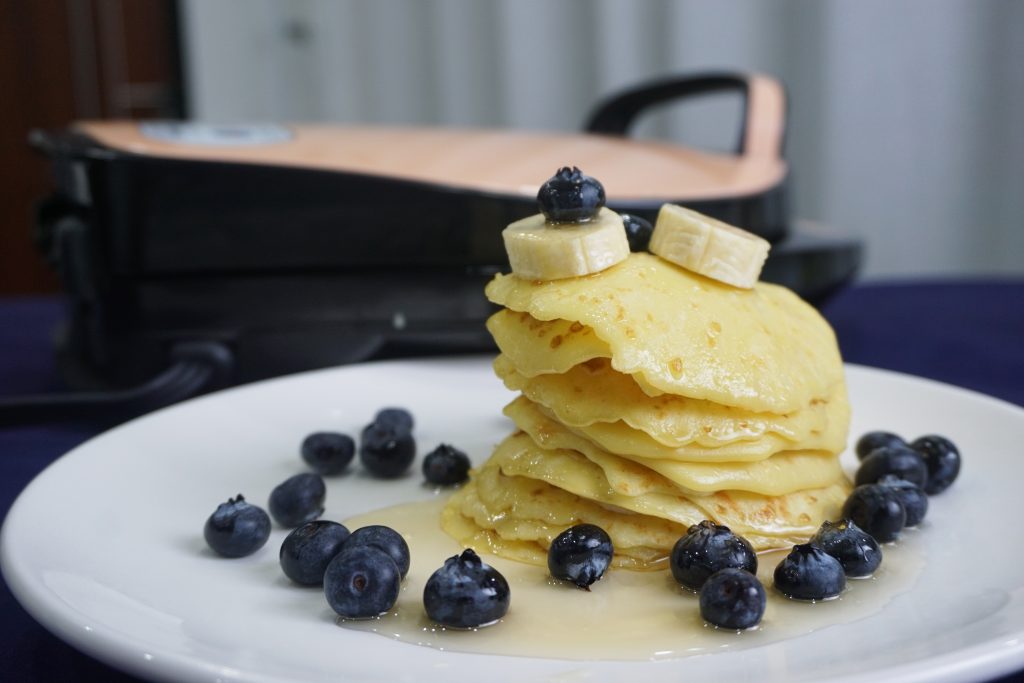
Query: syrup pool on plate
x=627, y=615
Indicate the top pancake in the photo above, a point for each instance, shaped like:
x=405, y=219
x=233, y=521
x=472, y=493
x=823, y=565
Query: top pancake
x=762, y=349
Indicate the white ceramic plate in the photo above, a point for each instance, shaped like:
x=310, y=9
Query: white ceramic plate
x=105, y=547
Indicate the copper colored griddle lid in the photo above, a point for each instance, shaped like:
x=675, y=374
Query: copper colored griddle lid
x=505, y=161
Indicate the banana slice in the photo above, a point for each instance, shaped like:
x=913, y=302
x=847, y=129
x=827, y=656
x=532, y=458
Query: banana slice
x=708, y=246
x=538, y=250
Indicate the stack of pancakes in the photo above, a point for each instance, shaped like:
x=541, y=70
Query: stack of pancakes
x=652, y=398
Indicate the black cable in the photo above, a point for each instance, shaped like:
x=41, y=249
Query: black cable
x=197, y=367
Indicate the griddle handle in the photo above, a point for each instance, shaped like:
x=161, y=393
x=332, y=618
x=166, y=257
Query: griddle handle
x=763, y=126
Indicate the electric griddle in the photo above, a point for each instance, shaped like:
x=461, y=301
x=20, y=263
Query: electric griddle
x=258, y=250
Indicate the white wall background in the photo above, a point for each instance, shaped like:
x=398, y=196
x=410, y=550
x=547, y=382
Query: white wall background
x=906, y=120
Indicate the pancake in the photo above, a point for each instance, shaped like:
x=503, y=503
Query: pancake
x=775, y=520
x=762, y=349
x=784, y=472
x=652, y=398
x=594, y=392
x=518, y=517
x=620, y=438
x=512, y=508
x=540, y=347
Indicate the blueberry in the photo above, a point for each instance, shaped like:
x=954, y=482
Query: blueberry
x=872, y=440
x=399, y=419
x=446, y=465
x=328, y=453
x=942, y=459
x=638, y=231
x=361, y=582
x=898, y=460
x=570, y=196
x=857, y=551
x=707, y=548
x=876, y=509
x=236, y=528
x=580, y=554
x=386, y=539
x=308, y=550
x=913, y=498
x=809, y=573
x=466, y=593
x=298, y=499
x=386, y=451
x=732, y=598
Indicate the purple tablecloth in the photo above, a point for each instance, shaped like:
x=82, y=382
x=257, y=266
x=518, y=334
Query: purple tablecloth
x=966, y=333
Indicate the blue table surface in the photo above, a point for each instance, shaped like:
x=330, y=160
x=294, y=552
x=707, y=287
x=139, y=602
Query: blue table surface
x=967, y=333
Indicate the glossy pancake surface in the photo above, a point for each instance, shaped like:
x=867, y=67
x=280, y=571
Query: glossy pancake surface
x=518, y=517
x=784, y=472
x=537, y=347
x=762, y=349
x=594, y=392
x=620, y=438
x=524, y=496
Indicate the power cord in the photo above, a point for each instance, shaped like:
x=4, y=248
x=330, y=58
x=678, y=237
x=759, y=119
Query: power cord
x=195, y=367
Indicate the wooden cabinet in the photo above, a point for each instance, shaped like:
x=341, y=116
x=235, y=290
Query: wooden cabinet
x=64, y=60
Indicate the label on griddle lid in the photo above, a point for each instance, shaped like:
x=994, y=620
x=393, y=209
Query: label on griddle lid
x=215, y=134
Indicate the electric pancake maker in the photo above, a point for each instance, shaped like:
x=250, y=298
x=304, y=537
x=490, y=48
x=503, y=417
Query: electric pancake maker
x=249, y=251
